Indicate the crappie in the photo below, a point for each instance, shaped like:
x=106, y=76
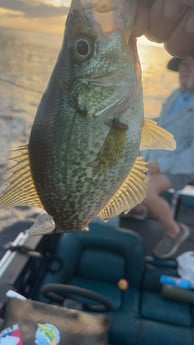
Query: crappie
x=82, y=157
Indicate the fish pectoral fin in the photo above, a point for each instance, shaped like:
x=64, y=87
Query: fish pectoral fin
x=19, y=186
x=112, y=148
x=131, y=193
x=44, y=224
x=156, y=137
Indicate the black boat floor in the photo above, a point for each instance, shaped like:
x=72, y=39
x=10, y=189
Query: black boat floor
x=151, y=230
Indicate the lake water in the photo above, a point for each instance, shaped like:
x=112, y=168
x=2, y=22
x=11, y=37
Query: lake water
x=26, y=62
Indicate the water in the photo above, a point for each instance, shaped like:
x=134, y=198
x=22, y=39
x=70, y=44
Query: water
x=158, y=81
x=26, y=62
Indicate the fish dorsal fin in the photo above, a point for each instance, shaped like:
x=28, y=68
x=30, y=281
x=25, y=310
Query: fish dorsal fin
x=131, y=192
x=155, y=137
x=19, y=186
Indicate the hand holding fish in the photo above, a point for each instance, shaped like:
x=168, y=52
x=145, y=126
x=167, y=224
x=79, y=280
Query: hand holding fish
x=171, y=22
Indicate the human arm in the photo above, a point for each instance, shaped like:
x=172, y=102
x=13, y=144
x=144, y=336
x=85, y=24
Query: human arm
x=168, y=21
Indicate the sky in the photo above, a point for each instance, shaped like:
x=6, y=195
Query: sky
x=35, y=15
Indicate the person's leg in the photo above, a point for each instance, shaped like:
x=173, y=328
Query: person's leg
x=157, y=205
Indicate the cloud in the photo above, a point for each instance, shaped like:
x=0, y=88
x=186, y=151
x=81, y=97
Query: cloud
x=33, y=8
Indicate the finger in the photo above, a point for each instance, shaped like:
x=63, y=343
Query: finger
x=142, y=17
x=181, y=41
x=165, y=15
x=186, y=2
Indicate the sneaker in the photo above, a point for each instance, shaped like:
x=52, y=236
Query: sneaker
x=138, y=214
x=168, y=245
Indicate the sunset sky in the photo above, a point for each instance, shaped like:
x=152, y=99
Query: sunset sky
x=38, y=15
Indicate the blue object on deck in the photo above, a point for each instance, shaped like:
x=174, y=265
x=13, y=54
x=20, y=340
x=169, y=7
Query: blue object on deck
x=175, y=281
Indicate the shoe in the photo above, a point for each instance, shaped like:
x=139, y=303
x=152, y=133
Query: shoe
x=137, y=214
x=168, y=245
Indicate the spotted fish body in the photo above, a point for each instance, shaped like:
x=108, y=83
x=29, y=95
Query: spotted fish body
x=81, y=160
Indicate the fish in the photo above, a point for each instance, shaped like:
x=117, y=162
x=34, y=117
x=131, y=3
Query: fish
x=82, y=159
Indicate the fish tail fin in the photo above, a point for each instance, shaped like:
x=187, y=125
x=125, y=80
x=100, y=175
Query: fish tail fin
x=19, y=189
x=156, y=137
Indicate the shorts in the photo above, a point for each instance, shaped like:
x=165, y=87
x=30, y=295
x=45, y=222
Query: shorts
x=179, y=181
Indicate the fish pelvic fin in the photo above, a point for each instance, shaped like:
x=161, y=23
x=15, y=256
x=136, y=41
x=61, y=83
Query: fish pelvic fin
x=156, y=137
x=44, y=224
x=131, y=193
x=113, y=147
x=19, y=186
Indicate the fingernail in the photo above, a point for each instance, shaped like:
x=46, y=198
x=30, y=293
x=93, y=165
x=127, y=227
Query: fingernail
x=190, y=24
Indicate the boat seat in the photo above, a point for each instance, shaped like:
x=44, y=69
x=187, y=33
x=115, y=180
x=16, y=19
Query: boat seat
x=98, y=260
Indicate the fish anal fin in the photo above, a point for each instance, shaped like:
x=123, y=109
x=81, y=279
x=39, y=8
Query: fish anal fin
x=131, y=193
x=19, y=186
x=156, y=137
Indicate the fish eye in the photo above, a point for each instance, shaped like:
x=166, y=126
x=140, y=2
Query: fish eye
x=83, y=48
